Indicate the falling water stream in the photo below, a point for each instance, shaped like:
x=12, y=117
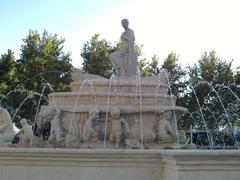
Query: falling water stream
x=201, y=113
x=140, y=111
x=19, y=107
x=107, y=110
x=38, y=108
x=75, y=104
x=174, y=113
x=10, y=92
x=225, y=111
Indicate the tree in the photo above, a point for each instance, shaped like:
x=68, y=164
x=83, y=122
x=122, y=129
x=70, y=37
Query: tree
x=211, y=100
x=95, y=54
x=149, y=68
x=42, y=60
x=8, y=81
x=143, y=67
x=153, y=67
x=177, y=82
x=8, y=72
x=43, y=66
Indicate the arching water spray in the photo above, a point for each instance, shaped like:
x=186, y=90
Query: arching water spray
x=139, y=85
x=107, y=111
x=38, y=108
x=225, y=111
x=19, y=107
x=201, y=113
x=75, y=105
x=10, y=92
x=174, y=113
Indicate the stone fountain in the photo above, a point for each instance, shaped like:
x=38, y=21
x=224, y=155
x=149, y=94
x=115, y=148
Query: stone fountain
x=135, y=102
x=118, y=128
x=123, y=112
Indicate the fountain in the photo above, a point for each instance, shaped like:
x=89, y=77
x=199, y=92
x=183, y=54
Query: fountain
x=122, y=127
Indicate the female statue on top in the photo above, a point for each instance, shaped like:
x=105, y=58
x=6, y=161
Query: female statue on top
x=124, y=61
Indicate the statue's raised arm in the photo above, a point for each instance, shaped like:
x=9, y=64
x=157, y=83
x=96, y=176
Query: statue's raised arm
x=124, y=61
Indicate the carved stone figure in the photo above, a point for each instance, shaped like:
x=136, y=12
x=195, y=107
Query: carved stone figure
x=77, y=75
x=182, y=137
x=89, y=134
x=124, y=61
x=117, y=126
x=132, y=143
x=50, y=112
x=134, y=139
x=37, y=142
x=139, y=99
x=6, y=127
x=50, y=115
x=165, y=131
x=72, y=141
x=56, y=129
x=25, y=133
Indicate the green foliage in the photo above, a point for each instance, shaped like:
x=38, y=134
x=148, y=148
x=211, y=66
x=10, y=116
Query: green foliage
x=170, y=63
x=213, y=70
x=149, y=68
x=209, y=87
x=95, y=54
x=143, y=67
x=237, y=76
x=43, y=67
x=212, y=92
x=177, y=80
x=177, y=73
x=42, y=60
x=154, y=65
x=8, y=72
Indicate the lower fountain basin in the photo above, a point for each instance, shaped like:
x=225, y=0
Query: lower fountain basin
x=86, y=164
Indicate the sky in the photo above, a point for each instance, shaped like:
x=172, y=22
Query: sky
x=186, y=27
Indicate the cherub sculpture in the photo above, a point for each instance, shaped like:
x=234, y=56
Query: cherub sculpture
x=165, y=131
x=89, y=134
x=117, y=126
x=56, y=129
x=25, y=133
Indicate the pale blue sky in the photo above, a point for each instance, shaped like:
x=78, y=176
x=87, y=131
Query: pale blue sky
x=51, y=14
x=60, y=17
x=187, y=27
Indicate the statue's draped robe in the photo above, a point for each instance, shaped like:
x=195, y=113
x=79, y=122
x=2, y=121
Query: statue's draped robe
x=125, y=60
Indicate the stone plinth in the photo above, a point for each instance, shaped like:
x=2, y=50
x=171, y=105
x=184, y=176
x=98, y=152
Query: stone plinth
x=72, y=164
x=115, y=92
x=118, y=99
x=120, y=86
